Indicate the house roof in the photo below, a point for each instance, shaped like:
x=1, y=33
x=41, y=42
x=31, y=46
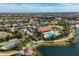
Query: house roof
x=10, y=44
x=45, y=28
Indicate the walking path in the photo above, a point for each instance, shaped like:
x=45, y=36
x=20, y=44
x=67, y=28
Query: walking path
x=8, y=53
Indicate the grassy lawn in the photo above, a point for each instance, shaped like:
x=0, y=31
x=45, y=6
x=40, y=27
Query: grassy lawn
x=57, y=26
x=63, y=43
x=36, y=52
x=51, y=43
x=75, y=40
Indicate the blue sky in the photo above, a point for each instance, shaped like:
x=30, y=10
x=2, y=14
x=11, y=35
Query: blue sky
x=38, y=7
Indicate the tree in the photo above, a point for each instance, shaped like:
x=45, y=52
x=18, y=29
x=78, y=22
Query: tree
x=18, y=34
x=2, y=40
x=7, y=38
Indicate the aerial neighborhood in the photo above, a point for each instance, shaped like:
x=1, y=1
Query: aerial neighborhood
x=20, y=32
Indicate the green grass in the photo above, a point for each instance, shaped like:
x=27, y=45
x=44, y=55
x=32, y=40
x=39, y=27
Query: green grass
x=63, y=43
x=76, y=39
x=36, y=52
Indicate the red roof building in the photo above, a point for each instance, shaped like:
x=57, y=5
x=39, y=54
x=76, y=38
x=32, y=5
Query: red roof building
x=45, y=28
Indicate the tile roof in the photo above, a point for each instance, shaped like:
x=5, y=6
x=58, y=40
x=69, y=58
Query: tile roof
x=45, y=28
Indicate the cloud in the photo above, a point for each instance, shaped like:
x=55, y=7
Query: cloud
x=46, y=7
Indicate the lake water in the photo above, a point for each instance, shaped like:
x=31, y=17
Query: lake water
x=72, y=50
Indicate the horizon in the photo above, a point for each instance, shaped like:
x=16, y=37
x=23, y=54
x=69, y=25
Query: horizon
x=36, y=12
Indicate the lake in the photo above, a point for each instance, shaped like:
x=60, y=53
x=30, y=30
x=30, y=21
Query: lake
x=72, y=50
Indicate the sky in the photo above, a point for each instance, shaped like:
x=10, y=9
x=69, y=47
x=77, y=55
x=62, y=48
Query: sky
x=38, y=7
